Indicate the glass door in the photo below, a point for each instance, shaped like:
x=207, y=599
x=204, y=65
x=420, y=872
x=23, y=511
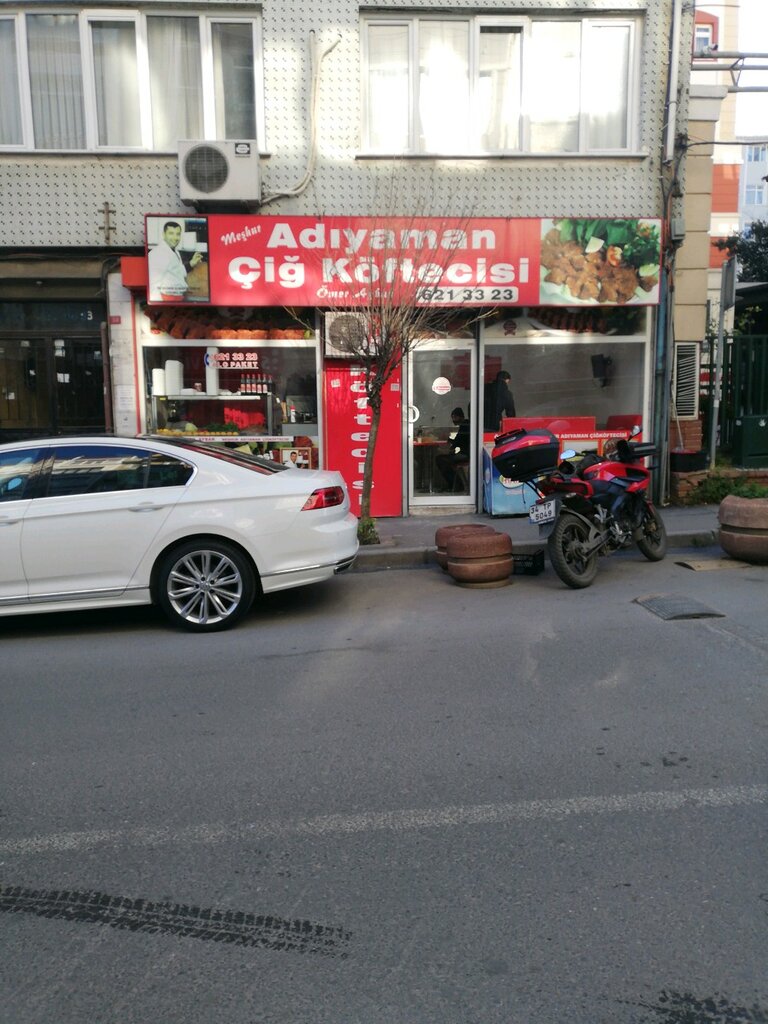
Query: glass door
x=442, y=432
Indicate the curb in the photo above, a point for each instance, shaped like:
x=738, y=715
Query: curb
x=385, y=557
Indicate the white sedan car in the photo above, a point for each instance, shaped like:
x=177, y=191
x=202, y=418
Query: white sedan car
x=197, y=528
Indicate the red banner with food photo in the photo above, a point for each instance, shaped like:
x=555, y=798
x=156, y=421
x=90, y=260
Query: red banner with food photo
x=360, y=261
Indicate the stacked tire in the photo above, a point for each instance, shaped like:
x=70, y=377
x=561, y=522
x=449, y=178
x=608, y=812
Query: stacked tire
x=444, y=534
x=480, y=559
x=744, y=528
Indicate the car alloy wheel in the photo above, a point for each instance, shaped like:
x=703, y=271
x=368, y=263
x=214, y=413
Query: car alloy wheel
x=205, y=586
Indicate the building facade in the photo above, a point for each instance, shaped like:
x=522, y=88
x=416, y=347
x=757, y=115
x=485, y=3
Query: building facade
x=502, y=118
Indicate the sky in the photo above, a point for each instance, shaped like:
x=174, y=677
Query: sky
x=752, y=108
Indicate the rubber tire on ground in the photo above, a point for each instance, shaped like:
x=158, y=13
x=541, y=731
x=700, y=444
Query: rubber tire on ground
x=238, y=591
x=477, y=559
x=444, y=533
x=743, y=530
x=570, y=529
x=653, y=545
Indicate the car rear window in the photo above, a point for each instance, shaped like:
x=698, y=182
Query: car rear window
x=237, y=458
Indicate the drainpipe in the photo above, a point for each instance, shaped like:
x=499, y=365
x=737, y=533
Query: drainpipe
x=662, y=385
x=674, y=76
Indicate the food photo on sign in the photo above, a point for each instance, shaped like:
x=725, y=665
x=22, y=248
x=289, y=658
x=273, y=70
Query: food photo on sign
x=600, y=261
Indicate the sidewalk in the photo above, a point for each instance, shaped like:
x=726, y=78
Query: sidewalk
x=410, y=541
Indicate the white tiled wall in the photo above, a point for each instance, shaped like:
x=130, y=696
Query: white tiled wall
x=58, y=201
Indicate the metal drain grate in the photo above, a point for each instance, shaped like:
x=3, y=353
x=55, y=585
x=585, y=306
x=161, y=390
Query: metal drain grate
x=674, y=606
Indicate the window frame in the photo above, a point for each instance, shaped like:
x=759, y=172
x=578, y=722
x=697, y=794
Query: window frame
x=138, y=17
x=476, y=22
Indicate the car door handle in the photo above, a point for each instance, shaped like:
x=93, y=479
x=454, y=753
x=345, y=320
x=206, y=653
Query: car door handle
x=145, y=508
x=7, y=521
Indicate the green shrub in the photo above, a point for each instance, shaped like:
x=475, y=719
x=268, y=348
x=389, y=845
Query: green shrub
x=366, y=532
x=712, y=489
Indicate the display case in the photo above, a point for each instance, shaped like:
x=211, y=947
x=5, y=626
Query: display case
x=217, y=384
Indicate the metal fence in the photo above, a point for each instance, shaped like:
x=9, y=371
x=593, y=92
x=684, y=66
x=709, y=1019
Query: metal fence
x=744, y=383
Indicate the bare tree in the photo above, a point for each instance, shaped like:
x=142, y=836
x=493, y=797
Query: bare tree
x=395, y=279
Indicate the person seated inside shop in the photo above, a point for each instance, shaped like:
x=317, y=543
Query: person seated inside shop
x=456, y=456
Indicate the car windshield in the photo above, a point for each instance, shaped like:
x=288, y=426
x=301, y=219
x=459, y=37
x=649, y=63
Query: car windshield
x=257, y=463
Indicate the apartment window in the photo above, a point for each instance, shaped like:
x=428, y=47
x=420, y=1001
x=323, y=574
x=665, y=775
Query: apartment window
x=127, y=80
x=757, y=154
x=492, y=85
x=754, y=195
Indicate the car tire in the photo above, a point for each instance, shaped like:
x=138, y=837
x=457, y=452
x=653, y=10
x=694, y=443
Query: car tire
x=205, y=585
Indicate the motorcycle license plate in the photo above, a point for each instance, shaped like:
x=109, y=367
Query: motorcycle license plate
x=544, y=513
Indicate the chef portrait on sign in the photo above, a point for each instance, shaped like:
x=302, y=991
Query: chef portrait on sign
x=177, y=270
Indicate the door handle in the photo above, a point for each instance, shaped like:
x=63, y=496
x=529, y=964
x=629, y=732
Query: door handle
x=7, y=521
x=145, y=508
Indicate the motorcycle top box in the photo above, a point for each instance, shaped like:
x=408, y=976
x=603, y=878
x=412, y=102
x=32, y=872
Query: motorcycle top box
x=524, y=454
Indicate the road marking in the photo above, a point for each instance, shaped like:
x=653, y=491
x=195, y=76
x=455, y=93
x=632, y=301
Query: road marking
x=393, y=821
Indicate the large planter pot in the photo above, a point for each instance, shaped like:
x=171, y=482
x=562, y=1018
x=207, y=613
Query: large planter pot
x=480, y=559
x=444, y=533
x=744, y=528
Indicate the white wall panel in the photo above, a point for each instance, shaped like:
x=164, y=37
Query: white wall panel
x=57, y=201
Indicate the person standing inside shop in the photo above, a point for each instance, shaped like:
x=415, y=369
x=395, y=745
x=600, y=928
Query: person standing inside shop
x=457, y=454
x=167, y=272
x=499, y=402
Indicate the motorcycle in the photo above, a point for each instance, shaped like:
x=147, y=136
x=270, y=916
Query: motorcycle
x=589, y=505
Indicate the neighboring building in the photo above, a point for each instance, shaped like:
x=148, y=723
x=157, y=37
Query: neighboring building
x=716, y=28
x=753, y=198
x=505, y=116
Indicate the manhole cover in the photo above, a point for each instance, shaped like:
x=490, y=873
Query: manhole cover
x=673, y=606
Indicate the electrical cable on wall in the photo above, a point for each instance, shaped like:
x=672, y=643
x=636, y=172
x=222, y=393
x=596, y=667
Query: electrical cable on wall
x=317, y=61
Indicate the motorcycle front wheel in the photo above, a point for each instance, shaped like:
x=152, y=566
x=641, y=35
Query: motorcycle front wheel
x=653, y=543
x=566, y=552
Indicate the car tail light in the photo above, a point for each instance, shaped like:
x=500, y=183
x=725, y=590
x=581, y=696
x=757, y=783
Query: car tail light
x=324, y=497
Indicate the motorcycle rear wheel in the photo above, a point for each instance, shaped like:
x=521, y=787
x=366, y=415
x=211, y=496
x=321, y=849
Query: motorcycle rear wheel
x=565, y=549
x=653, y=543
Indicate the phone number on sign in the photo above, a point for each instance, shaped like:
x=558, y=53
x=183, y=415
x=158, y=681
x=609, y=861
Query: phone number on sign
x=451, y=295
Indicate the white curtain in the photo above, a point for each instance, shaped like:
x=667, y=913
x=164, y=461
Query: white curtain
x=606, y=60
x=444, y=86
x=116, y=75
x=498, y=97
x=10, y=108
x=553, y=86
x=388, y=89
x=56, y=81
x=175, y=80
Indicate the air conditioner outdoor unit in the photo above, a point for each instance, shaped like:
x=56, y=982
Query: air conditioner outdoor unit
x=225, y=171
x=345, y=334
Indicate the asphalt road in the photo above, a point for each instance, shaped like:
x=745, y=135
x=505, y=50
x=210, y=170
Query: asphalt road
x=390, y=800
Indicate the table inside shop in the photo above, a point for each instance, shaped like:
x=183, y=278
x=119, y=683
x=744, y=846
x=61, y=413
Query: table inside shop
x=425, y=472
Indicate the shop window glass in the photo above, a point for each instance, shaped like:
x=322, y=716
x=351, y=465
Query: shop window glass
x=92, y=469
x=10, y=108
x=242, y=391
x=571, y=363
